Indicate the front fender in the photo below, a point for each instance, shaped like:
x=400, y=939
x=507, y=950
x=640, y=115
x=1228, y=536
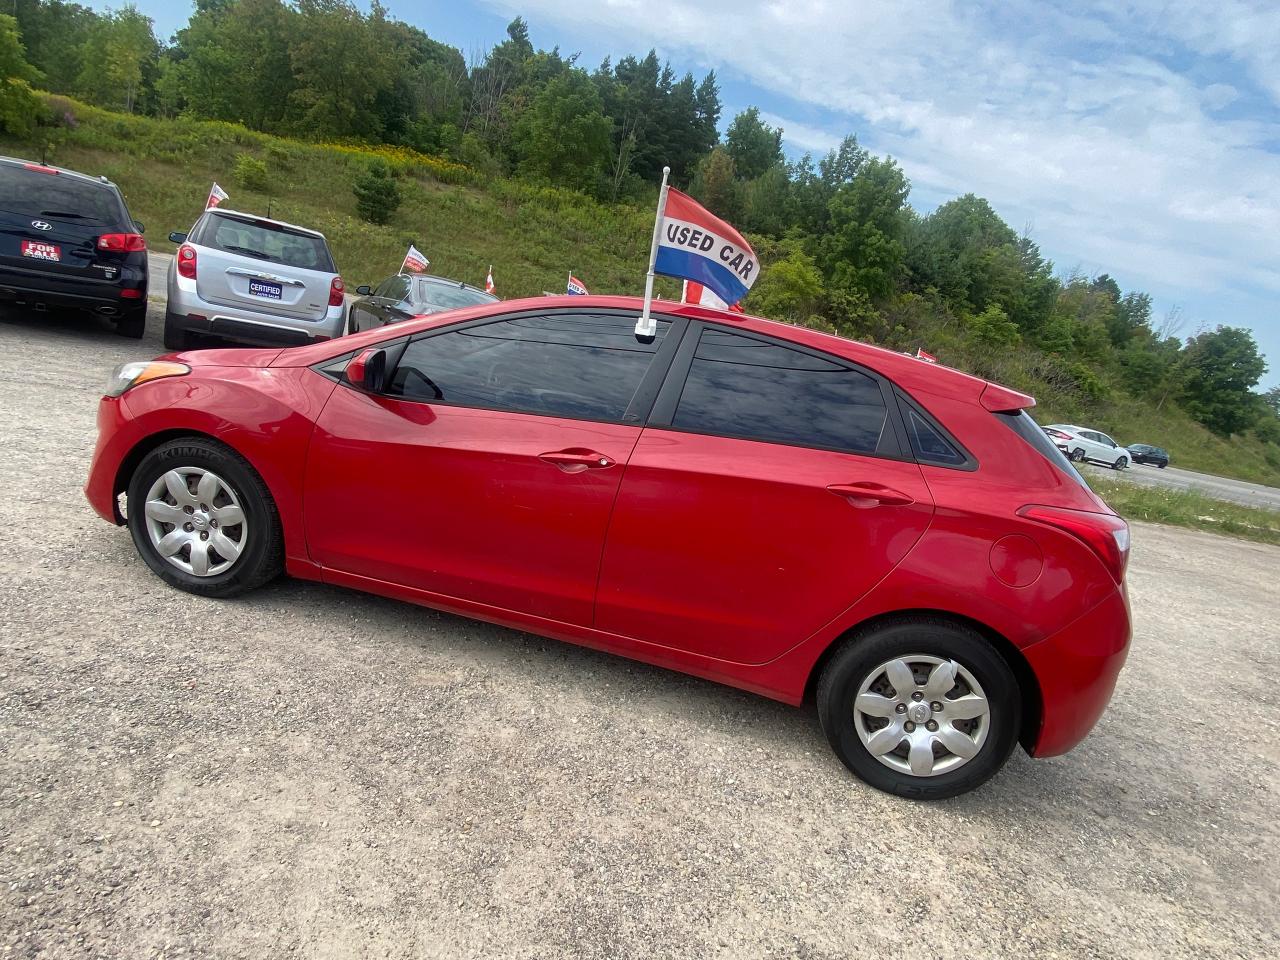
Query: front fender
x=266, y=415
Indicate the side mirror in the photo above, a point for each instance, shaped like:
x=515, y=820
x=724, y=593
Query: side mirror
x=178, y=237
x=364, y=290
x=139, y=226
x=367, y=370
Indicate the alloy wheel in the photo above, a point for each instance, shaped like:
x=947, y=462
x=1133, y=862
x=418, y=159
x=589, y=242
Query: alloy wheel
x=195, y=521
x=922, y=715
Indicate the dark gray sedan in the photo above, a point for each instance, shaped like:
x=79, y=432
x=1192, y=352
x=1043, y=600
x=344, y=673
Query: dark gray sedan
x=410, y=295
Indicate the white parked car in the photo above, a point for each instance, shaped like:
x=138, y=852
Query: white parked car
x=1081, y=443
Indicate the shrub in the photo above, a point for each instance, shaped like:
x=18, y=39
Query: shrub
x=251, y=173
x=377, y=193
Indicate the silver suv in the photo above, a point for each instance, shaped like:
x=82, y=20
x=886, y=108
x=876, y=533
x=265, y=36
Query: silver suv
x=252, y=280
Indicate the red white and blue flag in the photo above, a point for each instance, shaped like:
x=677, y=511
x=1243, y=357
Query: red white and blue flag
x=697, y=293
x=695, y=244
x=216, y=196
x=488, y=281
x=575, y=287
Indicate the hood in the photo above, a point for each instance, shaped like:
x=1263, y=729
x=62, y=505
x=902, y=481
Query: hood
x=228, y=357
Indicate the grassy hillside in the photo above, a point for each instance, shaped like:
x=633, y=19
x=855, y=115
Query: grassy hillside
x=533, y=236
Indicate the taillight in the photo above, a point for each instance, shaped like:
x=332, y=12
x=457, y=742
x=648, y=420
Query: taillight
x=336, y=290
x=1103, y=533
x=187, y=261
x=1058, y=434
x=122, y=242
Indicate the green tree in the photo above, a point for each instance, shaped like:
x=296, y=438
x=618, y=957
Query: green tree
x=55, y=35
x=563, y=136
x=864, y=249
x=377, y=193
x=120, y=53
x=993, y=328
x=790, y=288
x=768, y=199
x=753, y=144
x=339, y=68
x=19, y=106
x=1223, y=367
x=716, y=185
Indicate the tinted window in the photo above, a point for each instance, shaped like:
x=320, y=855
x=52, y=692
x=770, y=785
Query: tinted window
x=446, y=296
x=1030, y=431
x=742, y=387
x=393, y=288
x=929, y=445
x=34, y=194
x=263, y=240
x=582, y=366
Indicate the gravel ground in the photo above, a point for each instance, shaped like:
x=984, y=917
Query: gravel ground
x=314, y=772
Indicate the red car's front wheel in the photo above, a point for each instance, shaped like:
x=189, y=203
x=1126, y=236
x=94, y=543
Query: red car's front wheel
x=203, y=519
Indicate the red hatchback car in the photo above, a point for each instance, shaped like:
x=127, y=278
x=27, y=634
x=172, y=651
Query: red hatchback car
x=767, y=506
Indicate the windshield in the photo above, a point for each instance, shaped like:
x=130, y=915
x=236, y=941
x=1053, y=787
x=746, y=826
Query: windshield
x=56, y=196
x=263, y=240
x=440, y=296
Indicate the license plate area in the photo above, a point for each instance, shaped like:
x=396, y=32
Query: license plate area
x=40, y=250
x=265, y=289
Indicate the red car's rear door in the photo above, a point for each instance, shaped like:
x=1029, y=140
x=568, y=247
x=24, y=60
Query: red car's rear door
x=770, y=499
x=488, y=470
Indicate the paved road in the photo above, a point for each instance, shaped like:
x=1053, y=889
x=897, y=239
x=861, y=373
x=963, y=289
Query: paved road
x=1174, y=478
x=313, y=772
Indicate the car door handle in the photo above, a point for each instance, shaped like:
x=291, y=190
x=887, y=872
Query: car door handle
x=577, y=459
x=865, y=495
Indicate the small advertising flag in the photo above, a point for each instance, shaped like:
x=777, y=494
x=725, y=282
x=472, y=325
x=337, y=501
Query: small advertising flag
x=216, y=196
x=414, y=261
x=488, y=280
x=697, y=293
x=926, y=357
x=575, y=287
x=692, y=243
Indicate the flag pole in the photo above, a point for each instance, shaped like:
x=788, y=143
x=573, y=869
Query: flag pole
x=646, y=326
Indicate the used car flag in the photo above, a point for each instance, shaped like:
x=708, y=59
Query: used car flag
x=575, y=287
x=216, y=196
x=926, y=357
x=697, y=293
x=488, y=280
x=414, y=261
x=691, y=242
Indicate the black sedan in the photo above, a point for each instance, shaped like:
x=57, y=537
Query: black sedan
x=410, y=295
x=67, y=240
x=1145, y=453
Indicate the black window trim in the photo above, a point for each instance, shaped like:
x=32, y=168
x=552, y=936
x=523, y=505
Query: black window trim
x=892, y=444
x=906, y=400
x=637, y=412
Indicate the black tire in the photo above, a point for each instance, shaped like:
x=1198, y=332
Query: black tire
x=133, y=323
x=1122, y=463
x=175, y=337
x=263, y=557
x=1077, y=455
x=865, y=651
x=1161, y=465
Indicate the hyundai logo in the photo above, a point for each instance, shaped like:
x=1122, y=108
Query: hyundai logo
x=41, y=225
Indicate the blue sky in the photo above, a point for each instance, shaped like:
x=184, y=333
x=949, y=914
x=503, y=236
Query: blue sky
x=1136, y=137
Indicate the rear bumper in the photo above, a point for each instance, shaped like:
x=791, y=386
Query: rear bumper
x=1077, y=669
x=187, y=310
x=31, y=287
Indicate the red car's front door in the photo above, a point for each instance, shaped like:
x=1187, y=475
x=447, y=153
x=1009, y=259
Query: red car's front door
x=771, y=500
x=488, y=470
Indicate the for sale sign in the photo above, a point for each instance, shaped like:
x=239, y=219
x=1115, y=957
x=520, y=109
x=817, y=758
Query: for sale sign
x=38, y=250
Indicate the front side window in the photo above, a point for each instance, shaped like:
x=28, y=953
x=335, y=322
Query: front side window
x=438, y=296
x=580, y=366
x=752, y=389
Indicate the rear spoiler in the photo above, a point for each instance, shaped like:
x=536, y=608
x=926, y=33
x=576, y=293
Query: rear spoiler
x=1000, y=399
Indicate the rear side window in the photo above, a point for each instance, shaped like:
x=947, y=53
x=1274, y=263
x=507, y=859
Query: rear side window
x=742, y=387
x=1020, y=422
x=928, y=443
x=56, y=196
x=263, y=240
x=580, y=366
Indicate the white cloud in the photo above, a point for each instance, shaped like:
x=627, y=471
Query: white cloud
x=1073, y=118
x=802, y=136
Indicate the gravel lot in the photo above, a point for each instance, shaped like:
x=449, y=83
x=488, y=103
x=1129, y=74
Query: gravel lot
x=313, y=772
